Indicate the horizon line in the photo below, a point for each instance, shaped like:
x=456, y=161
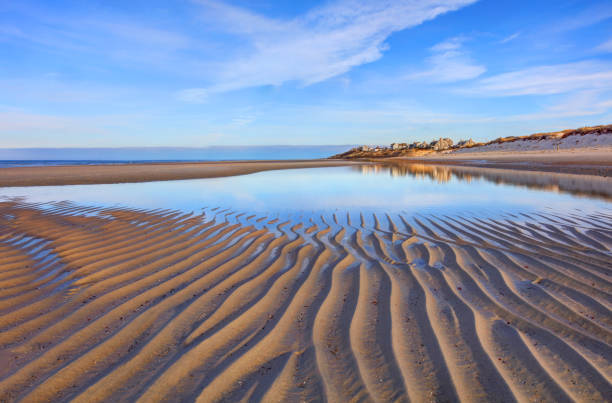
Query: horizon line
x=175, y=147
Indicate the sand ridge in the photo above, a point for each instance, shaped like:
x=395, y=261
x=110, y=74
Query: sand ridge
x=109, y=304
x=146, y=172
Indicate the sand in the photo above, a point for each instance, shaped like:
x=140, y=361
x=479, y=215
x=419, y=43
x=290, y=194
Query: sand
x=109, y=304
x=587, y=160
x=121, y=173
x=571, y=143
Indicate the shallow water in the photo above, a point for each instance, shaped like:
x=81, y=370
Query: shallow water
x=407, y=189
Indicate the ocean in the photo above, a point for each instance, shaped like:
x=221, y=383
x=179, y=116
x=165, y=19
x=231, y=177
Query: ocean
x=14, y=157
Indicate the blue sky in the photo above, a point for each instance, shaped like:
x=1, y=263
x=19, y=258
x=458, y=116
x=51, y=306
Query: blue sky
x=204, y=72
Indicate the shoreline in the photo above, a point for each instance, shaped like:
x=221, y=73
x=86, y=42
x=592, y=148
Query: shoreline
x=586, y=161
x=164, y=171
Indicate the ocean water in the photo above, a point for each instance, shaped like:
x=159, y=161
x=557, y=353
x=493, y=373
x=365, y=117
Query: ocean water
x=90, y=156
x=38, y=163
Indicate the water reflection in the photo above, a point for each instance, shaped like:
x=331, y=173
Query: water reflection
x=579, y=185
x=398, y=188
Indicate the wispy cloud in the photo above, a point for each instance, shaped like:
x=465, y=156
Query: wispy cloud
x=53, y=88
x=546, y=80
x=192, y=95
x=581, y=103
x=510, y=38
x=102, y=34
x=13, y=120
x=449, y=63
x=605, y=47
x=590, y=16
x=325, y=42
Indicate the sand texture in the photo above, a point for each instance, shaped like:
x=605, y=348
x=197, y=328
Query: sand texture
x=111, y=304
x=122, y=173
x=576, y=141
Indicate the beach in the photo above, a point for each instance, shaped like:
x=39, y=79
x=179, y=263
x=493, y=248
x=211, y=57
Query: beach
x=306, y=201
x=581, y=161
x=130, y=173
x=104, y=304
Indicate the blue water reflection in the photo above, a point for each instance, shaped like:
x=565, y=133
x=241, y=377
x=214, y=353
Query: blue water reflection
x=408, y=189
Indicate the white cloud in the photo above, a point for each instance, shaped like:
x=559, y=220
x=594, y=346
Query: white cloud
x=510, y=37
x=13, y=120
x=114, y=36
x=605, y=47
x=325, y=42
x=53, y=87
x=403, y=115
x=590, y=16
x=449, y=63
x=546, y=80
x=581, y=103
x=192, y=95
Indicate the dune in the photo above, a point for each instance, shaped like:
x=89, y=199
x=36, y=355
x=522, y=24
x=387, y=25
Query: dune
x=115, y=304
x=582, y=161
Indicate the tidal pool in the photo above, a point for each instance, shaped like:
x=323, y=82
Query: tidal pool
x=407, y=189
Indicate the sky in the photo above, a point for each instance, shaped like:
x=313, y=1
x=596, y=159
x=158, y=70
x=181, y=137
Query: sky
x=194, y=73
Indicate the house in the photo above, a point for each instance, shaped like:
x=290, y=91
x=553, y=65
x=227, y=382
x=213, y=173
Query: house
x=466, y=143
x=441, y=144
x=419, y=145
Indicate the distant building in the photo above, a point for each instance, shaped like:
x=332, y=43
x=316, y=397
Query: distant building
x=399, y=146
x=441, y=144
x=466, y=143
x=365, y=148
x=419, y=145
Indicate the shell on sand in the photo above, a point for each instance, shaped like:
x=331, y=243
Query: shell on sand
x=110, y=304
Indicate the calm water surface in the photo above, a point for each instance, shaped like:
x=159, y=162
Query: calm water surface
x=88, y=156
x=409, y=189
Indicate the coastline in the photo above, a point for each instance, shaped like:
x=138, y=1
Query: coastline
x=147, y=172
x=580, y=161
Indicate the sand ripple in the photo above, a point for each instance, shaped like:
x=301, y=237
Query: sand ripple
x=112, y=304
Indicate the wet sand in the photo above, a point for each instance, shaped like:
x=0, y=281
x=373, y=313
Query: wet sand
x=122, y=173
x=582, y=161
x=108, y=304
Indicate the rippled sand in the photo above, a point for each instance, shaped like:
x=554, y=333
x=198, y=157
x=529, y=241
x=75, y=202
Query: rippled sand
x=110, y=304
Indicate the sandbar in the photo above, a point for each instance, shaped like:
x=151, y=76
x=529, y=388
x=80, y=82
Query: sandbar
x=122, y=173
